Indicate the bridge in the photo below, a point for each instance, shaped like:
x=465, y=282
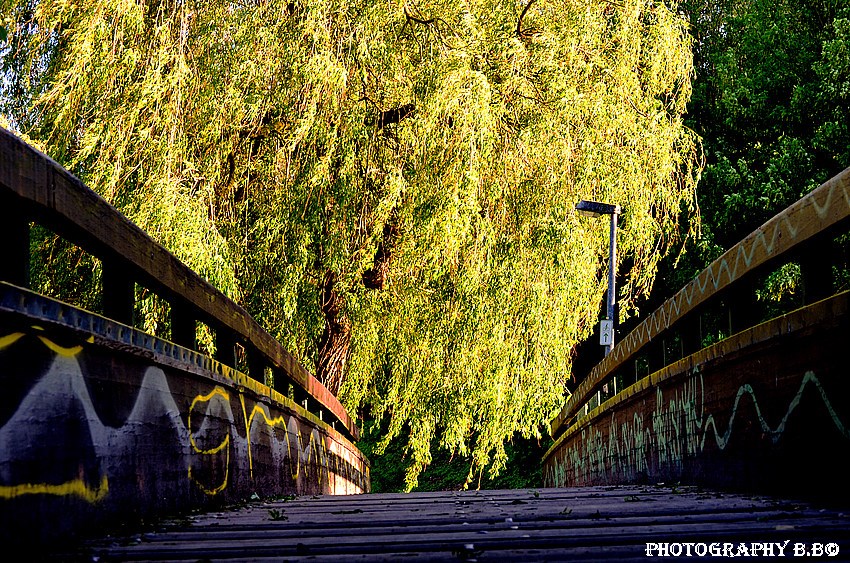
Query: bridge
x=105, y=427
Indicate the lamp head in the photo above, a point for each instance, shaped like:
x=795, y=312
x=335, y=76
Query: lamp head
x=596, y=209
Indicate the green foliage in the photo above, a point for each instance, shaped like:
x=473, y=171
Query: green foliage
x=277, y=515
x=284, y=148
x=523, y=466
x=780, y=284
x=71, y=283
x=771, y=103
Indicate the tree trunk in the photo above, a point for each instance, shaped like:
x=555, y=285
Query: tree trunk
x=335, y=345
x=376, y=277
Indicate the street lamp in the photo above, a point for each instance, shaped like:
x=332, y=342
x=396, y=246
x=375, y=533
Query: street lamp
x=596, y=209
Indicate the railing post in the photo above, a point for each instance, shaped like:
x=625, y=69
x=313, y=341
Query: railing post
x=281, y=384
x=119, y=293
x=299, y=396
x=15, y=232
x=741, y=306
x=690, y=334
x=256, y=365
x=816, y=271
x=225, y=347
x=656, y=354
x=183, y=326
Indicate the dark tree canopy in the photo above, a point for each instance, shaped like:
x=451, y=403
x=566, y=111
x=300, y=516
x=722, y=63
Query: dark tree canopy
x=771, y=104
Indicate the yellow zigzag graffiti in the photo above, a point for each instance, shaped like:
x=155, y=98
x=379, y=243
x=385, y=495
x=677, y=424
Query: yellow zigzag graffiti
x=66, y=372
x=314, y=450
x=224, y=445
x=76, y=487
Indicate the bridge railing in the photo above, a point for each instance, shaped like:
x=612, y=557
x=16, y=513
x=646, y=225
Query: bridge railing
x=35, y=189
x=803, y=233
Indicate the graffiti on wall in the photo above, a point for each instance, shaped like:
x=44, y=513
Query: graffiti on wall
x=56, y=440
x=676, y=429
x=285, y=432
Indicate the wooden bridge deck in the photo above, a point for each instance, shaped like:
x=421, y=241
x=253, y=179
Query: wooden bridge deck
x=549, y=524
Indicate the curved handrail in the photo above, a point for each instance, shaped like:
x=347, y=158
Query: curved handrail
x=815, y=213
x=64, y=204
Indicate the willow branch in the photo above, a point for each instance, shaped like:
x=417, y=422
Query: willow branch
x=519, y=30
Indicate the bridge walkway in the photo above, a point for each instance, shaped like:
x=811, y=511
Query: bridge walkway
x=548, y=524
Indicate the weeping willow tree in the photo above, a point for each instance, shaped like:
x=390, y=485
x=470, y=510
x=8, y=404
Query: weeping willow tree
x=389, y=187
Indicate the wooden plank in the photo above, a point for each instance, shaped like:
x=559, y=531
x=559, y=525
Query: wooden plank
x=584, y=524
x=64, y=204
x=818, y=212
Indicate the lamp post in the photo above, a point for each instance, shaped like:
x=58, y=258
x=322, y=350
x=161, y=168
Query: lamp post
x=596, y=209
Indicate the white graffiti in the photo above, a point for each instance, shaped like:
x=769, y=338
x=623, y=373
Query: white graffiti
x=61, y=396
x=677, y=430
